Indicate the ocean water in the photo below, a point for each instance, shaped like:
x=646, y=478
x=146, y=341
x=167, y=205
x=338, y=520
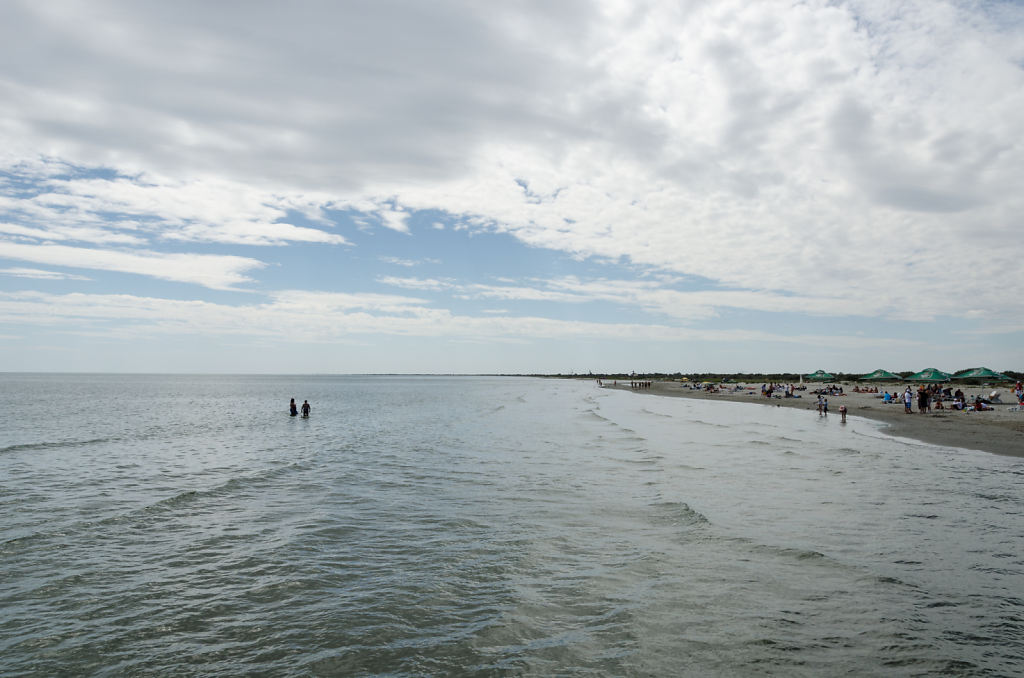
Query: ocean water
x=422, y=526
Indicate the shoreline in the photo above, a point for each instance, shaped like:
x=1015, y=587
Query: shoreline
x=999, y=431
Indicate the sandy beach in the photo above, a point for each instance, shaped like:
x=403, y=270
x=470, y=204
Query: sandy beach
x=1000, y=431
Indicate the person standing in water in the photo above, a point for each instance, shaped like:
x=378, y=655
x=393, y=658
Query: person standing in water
x=305, y=408
x=292, y=409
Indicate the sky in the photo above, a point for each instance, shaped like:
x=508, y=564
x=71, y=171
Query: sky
x=392, y=186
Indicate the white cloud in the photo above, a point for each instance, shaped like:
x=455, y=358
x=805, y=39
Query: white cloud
x=856, y=157
x=213, y=271
x=62, y=232
x=416, y=283
x=39, y=274
x=652, y=296
x=326, y=303
x=303, y=316
x=132, y=210
x=396, y=220
x=398, y=261
x=793, y=159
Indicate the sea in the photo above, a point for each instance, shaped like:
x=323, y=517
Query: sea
x=157, y=525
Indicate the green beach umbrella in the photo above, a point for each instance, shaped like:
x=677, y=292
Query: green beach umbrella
x=881, y=375
x=981, y=373
x=820, y=375
x=930, y=374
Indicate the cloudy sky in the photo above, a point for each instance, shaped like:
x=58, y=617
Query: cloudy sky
x=444, y=186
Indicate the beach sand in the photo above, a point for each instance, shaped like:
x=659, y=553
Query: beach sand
x=999, y=431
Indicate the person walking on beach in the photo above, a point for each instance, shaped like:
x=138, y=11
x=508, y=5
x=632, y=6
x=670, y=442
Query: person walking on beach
x=842, y=413
x=824, y=407
x=821, y=403
x=292, y=409
x=908, y=401
x=305, y=408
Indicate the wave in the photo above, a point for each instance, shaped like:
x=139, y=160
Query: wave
x=998, y=498
x=709, y=423
x=231, y=486
x=55, y=444
x=785, y=552
x=167, y=505
x=681, y=513
x=657, y=414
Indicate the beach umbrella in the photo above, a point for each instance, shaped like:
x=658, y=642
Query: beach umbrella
x=930, y=374
x=881, y=375
x=820, y=375
x=981, y=373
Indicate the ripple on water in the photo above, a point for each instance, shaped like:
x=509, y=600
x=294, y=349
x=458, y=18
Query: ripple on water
x=446, y=527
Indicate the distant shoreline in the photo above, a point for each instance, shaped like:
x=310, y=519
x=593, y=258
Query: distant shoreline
x=998, y=432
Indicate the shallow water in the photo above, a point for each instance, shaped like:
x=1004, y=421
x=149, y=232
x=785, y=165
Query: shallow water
x=157, y=525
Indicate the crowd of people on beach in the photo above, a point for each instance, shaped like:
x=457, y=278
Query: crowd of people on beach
x=928, y=397
x=787, y=390
x=932, y=397
x=935, y=397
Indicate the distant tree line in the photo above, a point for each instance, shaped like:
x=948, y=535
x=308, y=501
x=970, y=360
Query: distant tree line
x=749, y=377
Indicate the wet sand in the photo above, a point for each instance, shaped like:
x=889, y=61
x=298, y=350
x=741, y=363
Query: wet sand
x=999, y=431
